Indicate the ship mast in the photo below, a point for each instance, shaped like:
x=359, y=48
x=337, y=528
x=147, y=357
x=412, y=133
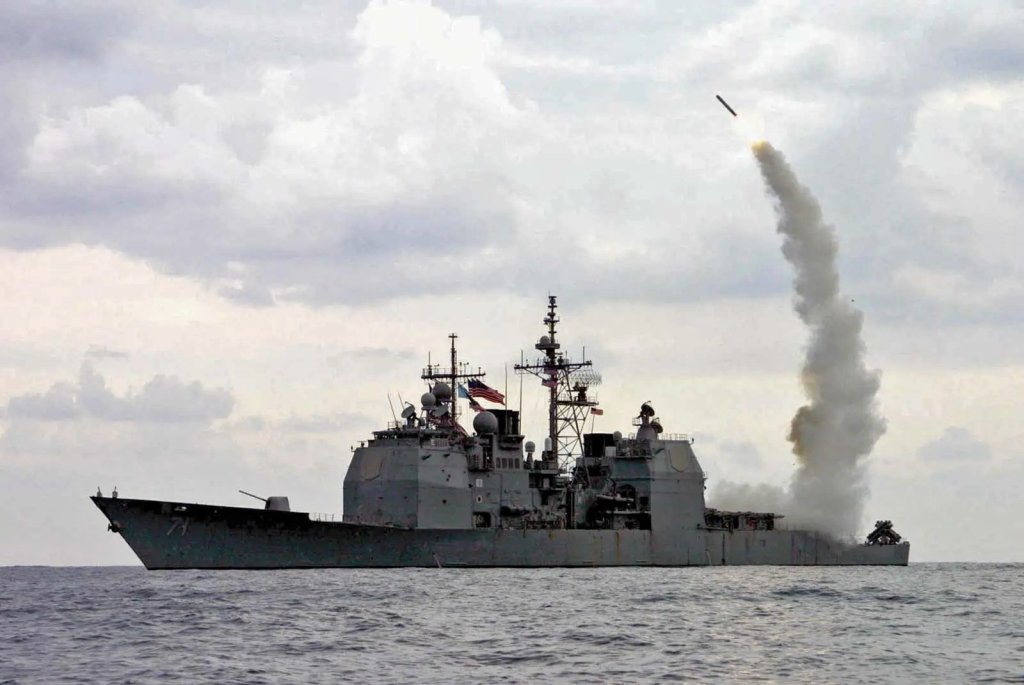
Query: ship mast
x=567, y=383
x=458, y=371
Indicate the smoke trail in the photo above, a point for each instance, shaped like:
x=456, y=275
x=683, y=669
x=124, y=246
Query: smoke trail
x=838, y=427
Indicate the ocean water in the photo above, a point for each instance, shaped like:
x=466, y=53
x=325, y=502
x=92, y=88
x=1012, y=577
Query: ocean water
x=924, y=623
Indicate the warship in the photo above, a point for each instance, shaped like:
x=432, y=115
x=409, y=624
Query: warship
x=426, y=492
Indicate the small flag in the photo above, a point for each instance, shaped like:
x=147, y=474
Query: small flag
x=480, y=389
x=550, y=383
x=462, y=392
x=596, y=411
x=474, y=405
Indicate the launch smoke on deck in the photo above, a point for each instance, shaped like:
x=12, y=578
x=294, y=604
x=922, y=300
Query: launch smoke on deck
x=840, y=424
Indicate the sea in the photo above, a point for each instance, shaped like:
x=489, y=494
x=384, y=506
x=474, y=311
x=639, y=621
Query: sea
x=927, y=623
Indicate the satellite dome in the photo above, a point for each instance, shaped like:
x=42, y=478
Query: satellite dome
x=442, y=392
x=530, y=447
x=617, y=436
x=485, y=423
x=428, y=400
x=545, y=340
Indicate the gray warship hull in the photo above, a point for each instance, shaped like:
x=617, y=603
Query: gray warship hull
x=176, y=535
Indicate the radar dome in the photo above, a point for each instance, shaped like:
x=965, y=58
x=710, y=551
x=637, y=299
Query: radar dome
x=485, y=423
x=428, y=400
x=442, y=392
x=545, y=340
x=530, y=447
x=617, y=436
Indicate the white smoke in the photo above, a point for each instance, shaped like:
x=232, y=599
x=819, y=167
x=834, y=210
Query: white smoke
x=839, y=426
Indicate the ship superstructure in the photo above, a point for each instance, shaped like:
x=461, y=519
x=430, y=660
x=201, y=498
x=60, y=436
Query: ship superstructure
x=424, y=491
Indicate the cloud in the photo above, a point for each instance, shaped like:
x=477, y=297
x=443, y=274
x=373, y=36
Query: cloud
x=955, y=444
x=378, y=353
x=103, y=352
x=45, y=48
x=409, y=166
x=63, y=31
x=411, y=150
x=59, y=403
x=337, y=424
x=248, y=294
x=163, y=399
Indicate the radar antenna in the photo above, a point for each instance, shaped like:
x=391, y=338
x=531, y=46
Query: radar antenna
x=568, y=383
x=457, y=372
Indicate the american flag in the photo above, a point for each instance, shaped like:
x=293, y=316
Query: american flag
x=596, y=412
x=550, y=383
x=473, y=404
x=480, y=389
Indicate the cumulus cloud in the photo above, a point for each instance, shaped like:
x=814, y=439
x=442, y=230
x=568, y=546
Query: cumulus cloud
x=956, y=444
x=45, y=48
x=311, y=199
x=163, y=399
x=402, y=152
x=58, y=403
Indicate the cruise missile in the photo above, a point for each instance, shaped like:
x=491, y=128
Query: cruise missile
x=726, y=105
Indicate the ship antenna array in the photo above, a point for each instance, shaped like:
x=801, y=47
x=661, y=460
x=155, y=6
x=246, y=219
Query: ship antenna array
x=457, y=372
x=567, y=382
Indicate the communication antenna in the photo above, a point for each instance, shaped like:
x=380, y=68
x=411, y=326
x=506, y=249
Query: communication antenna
x=392, y=409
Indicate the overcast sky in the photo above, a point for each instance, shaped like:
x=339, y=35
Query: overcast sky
x=228, y=231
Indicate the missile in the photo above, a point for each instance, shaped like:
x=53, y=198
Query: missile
x=726, y=105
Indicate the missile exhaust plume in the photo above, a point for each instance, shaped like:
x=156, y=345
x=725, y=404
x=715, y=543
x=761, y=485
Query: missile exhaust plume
x=840, y=424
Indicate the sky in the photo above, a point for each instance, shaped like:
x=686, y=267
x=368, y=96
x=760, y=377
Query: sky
x=230, y=231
